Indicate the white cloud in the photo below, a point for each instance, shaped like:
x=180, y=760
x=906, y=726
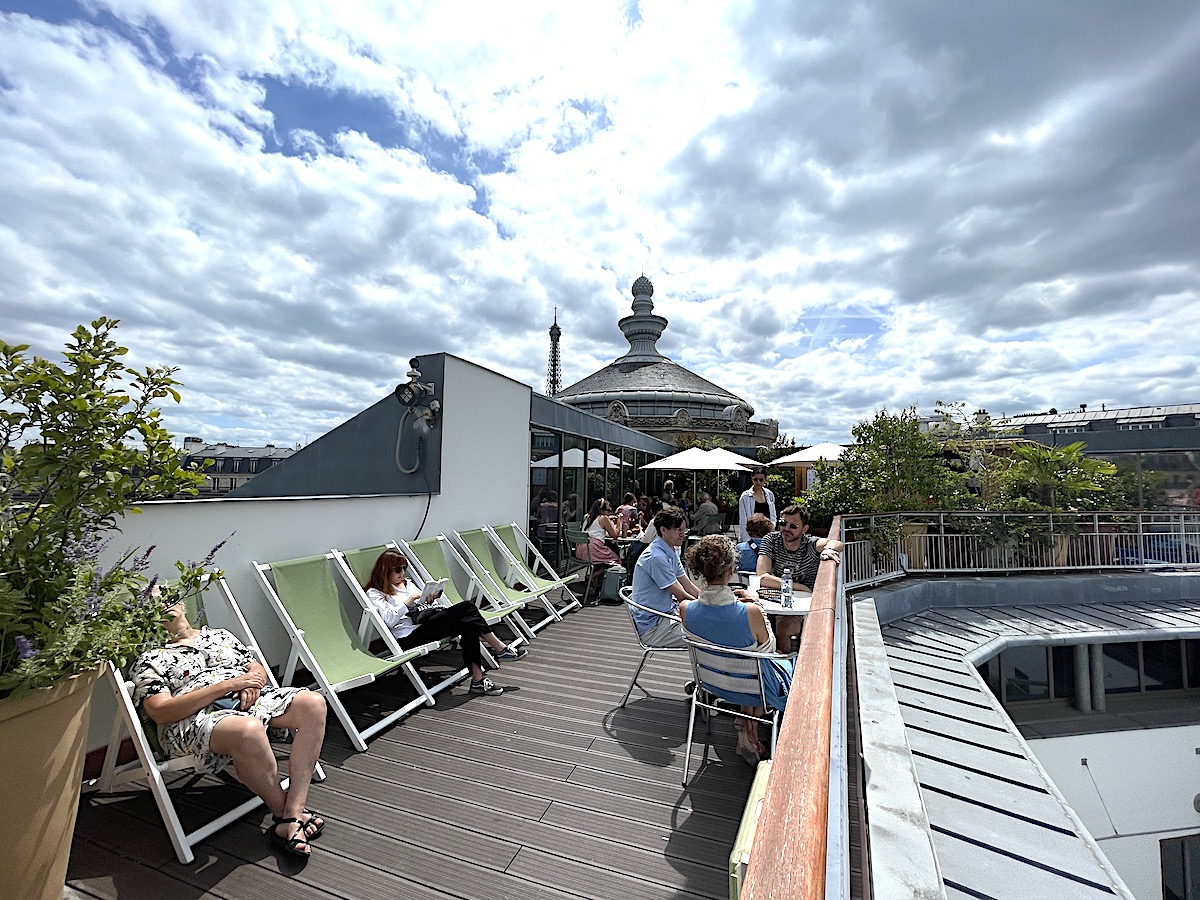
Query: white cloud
x=842, y=208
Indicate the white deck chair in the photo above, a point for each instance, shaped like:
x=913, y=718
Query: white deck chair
x=647, y=649
x=730, y=675
x=305, y=598
x=155, y=767
x=355, y=567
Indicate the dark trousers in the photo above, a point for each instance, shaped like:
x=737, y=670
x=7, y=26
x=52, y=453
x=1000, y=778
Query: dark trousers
x=462, y=620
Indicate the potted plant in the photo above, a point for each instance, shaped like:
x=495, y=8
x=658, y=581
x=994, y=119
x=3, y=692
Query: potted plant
x=80, y=444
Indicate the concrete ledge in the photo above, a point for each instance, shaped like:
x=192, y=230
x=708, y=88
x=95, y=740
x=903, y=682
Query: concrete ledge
x=912, y=595
x=903, y=864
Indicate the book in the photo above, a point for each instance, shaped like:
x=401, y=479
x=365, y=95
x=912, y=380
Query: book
x=432, y=592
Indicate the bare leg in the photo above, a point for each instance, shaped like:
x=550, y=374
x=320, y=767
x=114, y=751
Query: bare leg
x=306, y=716
x=494, y=642
x=786, y=628
x=245, y=740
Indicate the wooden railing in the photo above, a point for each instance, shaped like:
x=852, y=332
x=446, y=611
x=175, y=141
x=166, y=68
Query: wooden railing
x=788, y=859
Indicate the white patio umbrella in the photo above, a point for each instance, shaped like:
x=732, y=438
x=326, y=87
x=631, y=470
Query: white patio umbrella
x=802, y=459
x=733, y=461
x=573, y=459
x=694, y=460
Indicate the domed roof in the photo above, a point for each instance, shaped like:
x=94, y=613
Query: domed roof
x=645, y=373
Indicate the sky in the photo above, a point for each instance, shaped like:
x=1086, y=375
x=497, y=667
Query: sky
x=843, y=207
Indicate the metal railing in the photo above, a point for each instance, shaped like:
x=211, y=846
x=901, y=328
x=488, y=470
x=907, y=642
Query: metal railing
x=880, y=547
x=801, y=847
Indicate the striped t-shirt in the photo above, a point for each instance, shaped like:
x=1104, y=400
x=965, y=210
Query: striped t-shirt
x=803, y=561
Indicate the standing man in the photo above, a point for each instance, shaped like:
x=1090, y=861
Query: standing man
x=660, y=583
x=792, y=547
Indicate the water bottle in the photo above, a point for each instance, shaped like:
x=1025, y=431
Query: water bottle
x=785, y=589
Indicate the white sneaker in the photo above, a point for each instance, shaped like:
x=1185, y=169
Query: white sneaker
x=486, y=686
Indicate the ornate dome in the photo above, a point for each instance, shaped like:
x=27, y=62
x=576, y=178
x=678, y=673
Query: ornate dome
x=648, y=391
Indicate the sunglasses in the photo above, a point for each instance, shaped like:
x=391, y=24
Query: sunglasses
x=790, y=526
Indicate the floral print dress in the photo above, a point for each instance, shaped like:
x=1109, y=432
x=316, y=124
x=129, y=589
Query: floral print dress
x=179, y=669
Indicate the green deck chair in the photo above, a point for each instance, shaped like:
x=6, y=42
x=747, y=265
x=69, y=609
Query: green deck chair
x=355, y=568
x=305, y=598
x=490, y=560
x=530, y=564
x=151, y=764
x=436, y=557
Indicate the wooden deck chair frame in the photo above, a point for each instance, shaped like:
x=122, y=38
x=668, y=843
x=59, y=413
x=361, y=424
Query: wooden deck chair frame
x=371, y=621
x=151, y=766
x=714, y=669
x=480, y=547
x=529, y=563
x=437, y=557
x=647, y=649
x=352, y=664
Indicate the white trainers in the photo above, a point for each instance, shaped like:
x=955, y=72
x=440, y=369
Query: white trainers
x=512, y=653
x=486, y=686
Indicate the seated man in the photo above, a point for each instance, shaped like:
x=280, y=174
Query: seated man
x=707, y=517
x=791, y=547
x=758, y=526
x=659, y=582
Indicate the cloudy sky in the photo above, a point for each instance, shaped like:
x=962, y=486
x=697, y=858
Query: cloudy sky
x=842, y=206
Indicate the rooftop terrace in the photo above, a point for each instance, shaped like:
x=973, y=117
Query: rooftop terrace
x=549, y=791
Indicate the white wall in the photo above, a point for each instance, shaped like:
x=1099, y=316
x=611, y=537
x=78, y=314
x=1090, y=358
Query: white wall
x=1136, y=789
x=485, y=472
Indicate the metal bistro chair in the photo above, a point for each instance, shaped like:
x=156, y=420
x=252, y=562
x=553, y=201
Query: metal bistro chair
x=734, y=676
x=577, y=537
x=647, y=649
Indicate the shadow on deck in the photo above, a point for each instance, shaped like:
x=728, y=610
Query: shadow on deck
x=548, y=791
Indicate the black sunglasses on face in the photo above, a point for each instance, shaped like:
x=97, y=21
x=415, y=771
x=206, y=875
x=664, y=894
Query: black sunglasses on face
x=790, y=526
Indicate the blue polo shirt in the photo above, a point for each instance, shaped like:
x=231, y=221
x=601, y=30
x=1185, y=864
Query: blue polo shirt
x=657, y=569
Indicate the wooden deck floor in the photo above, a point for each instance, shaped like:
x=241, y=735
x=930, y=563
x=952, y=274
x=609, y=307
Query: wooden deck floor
x=549, y=791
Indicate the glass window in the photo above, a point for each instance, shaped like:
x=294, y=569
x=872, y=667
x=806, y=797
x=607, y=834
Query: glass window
x=1063, y=661
x=1180, y=862
x=990, y=671
x=1191, y=650
x=1170, y=853
x=1162, y=662
x=573, y=489
x=1121, y=668
x=545, y=465
x=1026, y=675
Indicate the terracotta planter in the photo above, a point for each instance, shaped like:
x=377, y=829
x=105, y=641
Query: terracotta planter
x=42, y=737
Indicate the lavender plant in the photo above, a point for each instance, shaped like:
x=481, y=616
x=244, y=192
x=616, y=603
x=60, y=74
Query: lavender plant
x=81, y=443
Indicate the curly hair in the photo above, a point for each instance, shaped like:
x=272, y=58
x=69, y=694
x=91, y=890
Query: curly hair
x=758, y=526
x=712, y=558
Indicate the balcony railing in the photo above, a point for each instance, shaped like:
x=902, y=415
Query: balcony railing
x=880, y=547
x=801, y=851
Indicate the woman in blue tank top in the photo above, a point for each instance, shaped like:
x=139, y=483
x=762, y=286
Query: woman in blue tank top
x=720, y=616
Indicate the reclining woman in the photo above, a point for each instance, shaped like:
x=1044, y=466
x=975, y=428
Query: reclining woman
x=211, y=700
x=722, y=617
x=397, y=600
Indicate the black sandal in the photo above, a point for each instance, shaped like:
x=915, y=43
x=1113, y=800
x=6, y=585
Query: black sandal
x=309, y=822
x=291, y=844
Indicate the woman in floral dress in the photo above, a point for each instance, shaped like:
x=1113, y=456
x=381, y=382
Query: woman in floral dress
x=211, y=700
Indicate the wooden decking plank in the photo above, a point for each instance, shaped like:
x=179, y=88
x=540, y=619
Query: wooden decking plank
x=605, y=884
